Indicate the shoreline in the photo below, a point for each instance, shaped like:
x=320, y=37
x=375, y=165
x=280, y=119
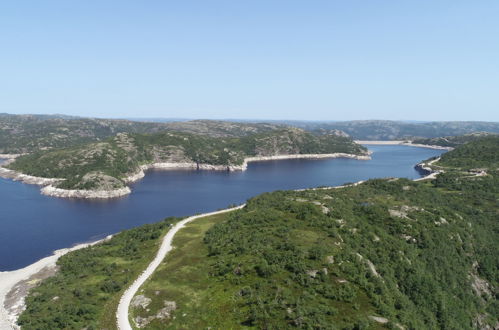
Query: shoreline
x=49, y=189
x=122, y=312
x=10, y=279
x=425, y=167
x=403, y=143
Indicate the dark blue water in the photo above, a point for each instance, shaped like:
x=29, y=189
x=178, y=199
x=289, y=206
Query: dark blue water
x=33, y=225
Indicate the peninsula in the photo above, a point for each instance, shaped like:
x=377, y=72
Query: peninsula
x=103, y=169
x=381, y=253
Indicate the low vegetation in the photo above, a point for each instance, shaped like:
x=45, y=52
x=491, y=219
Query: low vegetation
x=398, y=130
x=30, y=133
x=452, y=141
x=85, y=292
x=89, y=166
x=481, y=153
x=385, y=254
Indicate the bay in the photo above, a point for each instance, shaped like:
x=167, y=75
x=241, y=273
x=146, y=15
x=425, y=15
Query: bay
x=32, y=226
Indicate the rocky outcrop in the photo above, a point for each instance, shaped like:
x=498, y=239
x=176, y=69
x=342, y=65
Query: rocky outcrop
x=426, y=169
x=9, y=156
x=427, y=146
x=209, y=167
x=423, y=169
x=177, y=166
x=50, y=190
x=16, y=176
x=136, y=176
x=80, y=193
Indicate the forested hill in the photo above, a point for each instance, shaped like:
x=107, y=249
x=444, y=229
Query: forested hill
x=396, y=130
x=30, y=133
x=452, y=141
x=104, y=165
x=389, y=253
x=482, y=152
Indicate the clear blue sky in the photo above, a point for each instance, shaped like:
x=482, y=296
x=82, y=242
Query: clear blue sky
x=323, y=60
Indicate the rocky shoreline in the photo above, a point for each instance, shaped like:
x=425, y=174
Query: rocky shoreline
x=233, y=168
x=404, y=143
x=10, y=318
x=24, y=178
x=14, y=285
x=78, y=193
x=49, y=188
x=425, y=168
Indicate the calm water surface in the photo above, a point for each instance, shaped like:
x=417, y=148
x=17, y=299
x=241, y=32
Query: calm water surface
x=33, y=225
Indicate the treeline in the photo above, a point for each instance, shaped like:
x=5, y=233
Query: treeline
x=479, y=153
x=122, y=155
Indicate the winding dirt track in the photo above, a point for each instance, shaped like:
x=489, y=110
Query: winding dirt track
x=123, y=322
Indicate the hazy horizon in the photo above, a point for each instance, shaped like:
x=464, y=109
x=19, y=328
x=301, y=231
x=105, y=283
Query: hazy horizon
x=319, y=60
x=171, y=119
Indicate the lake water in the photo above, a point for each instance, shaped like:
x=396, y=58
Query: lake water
x=33, y=225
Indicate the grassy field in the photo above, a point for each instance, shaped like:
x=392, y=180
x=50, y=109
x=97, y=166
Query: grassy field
x=204, y=301
x=183, y=277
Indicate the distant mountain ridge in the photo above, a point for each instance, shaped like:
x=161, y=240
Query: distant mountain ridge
x=452, y=141
x=383, y=129
x=28, y=133
x=21, y=134
x=398, y=130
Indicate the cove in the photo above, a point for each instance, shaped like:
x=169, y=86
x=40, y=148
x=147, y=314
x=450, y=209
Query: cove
x=32, y=226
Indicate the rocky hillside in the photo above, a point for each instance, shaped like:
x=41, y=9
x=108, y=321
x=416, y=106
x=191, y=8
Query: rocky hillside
x=391, y=253
x=108, y=164
x=452, y=141
x=30, y=133
x=396, y=130
x=217, y=128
